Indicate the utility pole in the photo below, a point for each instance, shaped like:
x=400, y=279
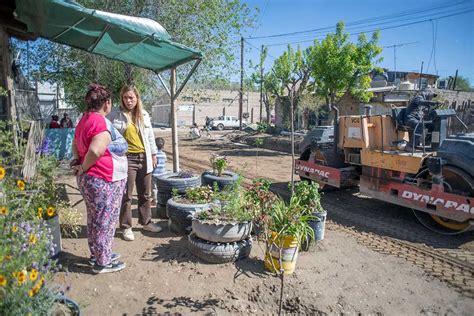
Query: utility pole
x=241, y=97
x=421, y=75
x=261, y=86
x=394, y=46
x=455, y=79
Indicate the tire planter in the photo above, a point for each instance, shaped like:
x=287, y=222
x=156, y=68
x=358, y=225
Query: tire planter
x=65, y=305
x=167, y=182
x=181, y=215
x=289, y=254
x=219, y=253
x=222, y=232
x=161, y=211
x=54, y=235
x=228, y=179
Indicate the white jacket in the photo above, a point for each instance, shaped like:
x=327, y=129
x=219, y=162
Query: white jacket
x=120, y=122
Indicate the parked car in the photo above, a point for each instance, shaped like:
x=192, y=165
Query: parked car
x=223, y=122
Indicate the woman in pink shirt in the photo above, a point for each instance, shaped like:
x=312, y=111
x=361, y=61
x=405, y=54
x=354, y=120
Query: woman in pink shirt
x=100, y=165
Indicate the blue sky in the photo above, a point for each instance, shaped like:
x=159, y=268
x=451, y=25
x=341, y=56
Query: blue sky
x=454, y=47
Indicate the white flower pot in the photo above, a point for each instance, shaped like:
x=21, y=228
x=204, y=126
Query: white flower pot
x=55, y=235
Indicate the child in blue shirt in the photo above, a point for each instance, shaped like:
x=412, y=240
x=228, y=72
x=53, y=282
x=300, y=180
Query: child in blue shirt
x=160, y=166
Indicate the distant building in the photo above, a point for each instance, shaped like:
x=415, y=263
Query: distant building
x=195, y=104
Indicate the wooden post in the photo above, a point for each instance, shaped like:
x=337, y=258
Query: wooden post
x=261, y=87
x=6, y=79
x=292, y=118
x=174, y=123
x=251, y=115
x=223, y=111
x=194, y=114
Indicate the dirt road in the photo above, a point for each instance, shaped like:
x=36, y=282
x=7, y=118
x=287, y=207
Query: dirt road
x=374, y=259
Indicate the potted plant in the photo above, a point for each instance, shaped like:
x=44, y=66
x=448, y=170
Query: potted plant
x=221, y=233
x=307, y=194
x=50, y=219
x=180, y=209
x=224, y=178
x=178, y=181
x=282, y=227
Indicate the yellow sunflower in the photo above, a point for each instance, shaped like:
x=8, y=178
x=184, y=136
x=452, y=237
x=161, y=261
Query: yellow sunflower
x=21, y=277
x=32, y=238
x=40, y=212
x=2, y=173
x=50, y=211
x=20, y=184
x=3, y=280
x=3, y=210
x=33, y=274
x=30, y=293
x=14, y=229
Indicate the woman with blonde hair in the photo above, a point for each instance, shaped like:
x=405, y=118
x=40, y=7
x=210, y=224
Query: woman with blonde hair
x=134, y=124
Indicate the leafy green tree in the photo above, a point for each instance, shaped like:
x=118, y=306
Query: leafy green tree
x=209, y=26
x=339, y=66
x=289, y=76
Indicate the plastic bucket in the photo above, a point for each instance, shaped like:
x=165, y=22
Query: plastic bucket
x=318, y=225
x=288, y=247
x=55, y=235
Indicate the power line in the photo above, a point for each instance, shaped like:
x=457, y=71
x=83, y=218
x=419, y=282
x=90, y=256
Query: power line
x=358, y=28
x=259, y=49
x=381, y=29
x=261, y=17
x=394, y=46
x=365, y=21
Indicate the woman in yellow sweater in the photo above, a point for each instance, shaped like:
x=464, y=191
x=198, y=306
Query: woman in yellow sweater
x=135, y=125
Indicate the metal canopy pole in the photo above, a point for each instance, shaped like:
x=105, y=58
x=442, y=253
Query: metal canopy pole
x=174, y=125
x=173, y=94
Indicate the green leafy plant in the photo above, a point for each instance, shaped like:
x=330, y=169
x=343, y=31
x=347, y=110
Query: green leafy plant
x=307, y=195
x=219, y=163
x=262, y=127
x=228, y=205
x=198, y=195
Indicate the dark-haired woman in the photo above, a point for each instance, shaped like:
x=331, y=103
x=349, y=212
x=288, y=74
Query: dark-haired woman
x=101, y=168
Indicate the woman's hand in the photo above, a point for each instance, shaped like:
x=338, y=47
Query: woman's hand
x=78, y=170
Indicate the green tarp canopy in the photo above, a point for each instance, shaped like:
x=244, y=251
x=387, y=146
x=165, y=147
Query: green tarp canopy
x=133, y=40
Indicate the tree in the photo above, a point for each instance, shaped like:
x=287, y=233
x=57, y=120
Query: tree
x=208, y=26
x=288, y=78
x=339, y=66
x=462, y=83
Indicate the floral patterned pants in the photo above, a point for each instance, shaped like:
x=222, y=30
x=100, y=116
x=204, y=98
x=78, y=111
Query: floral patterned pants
x=103, y=200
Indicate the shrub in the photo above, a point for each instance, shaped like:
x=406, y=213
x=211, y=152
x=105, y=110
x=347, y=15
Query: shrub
x=219, y=163
x=25, y=242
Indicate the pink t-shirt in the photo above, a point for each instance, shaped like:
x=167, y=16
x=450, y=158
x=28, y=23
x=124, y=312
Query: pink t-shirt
x=110, y=166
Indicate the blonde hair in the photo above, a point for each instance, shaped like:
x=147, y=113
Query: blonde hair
x=137, y=113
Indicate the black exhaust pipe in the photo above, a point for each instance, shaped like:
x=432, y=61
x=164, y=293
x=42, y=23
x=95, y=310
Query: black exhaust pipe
x=336, y=129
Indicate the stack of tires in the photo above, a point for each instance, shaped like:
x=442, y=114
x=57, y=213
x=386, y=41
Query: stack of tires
x=169, y=182
x=220, y=243
x=180, y=215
